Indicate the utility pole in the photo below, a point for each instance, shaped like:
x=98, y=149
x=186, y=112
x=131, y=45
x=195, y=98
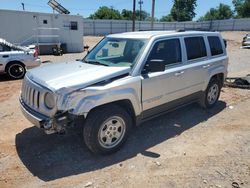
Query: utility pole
x=133, y=26
x=23, y=6
x=152, y=14
x=140, y=3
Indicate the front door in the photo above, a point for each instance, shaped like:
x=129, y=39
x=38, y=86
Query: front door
x=160, y=89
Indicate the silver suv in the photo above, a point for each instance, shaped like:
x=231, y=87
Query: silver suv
x=126, y=79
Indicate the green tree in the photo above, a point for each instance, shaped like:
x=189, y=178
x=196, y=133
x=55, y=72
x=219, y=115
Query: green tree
x=221, y=12
x=106, y=13
x=167, y=18
x=128, y=14
x=183, y=10
x=242, y=8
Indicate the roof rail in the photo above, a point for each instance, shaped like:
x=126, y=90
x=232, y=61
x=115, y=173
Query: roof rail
x=180, y=30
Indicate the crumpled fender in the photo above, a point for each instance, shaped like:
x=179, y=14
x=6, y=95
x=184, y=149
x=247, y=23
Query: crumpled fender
x=81, y=102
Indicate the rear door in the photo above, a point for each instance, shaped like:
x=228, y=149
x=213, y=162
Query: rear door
x=196, y=63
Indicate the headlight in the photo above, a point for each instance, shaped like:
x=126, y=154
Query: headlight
x=49, y=100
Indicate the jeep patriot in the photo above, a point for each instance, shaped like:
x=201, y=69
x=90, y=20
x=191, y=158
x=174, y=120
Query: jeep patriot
x=124, y=80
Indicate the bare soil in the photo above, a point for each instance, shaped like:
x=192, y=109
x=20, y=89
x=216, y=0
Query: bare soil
x=190, y=147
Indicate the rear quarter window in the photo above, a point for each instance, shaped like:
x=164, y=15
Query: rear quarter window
x=195, y=47
x=215, y=45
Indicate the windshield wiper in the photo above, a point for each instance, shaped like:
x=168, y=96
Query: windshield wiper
x=96, y=63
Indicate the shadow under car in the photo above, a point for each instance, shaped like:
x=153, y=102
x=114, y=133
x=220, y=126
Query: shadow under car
x=50, y=157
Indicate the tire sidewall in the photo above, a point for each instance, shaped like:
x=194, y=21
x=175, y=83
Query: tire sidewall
x=96, y=125
x=11, y=66
x=211, y=83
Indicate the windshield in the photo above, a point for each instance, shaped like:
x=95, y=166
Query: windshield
x=116, y=52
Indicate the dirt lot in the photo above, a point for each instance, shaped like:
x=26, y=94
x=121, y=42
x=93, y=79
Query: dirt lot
x=190, y=147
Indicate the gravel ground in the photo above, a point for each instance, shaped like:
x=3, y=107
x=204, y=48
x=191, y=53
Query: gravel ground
x=190, y=147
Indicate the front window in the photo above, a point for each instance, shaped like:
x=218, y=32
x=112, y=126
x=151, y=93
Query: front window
x=116, y=52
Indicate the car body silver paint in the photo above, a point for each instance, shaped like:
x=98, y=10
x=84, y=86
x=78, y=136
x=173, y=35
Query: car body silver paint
x=77, y=89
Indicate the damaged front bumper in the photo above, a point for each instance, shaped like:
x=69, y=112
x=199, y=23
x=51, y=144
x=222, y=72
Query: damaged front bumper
x=50, y=125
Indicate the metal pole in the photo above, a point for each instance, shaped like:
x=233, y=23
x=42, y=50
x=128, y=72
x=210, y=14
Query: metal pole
x=152, y=14
x=23, y=6
x=133, y=27
x=140, y=3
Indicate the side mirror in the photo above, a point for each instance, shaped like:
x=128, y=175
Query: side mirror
x=115, y=45
x=154, y=65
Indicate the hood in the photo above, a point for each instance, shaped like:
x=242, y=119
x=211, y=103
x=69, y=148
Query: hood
x=73, y=75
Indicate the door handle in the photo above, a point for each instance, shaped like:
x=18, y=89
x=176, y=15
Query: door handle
x=5, y=56
x=179, y=73
x=206, y=66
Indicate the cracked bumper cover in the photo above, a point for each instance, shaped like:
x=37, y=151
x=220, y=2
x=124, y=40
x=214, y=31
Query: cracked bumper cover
x=34, y=117
x=49, y=125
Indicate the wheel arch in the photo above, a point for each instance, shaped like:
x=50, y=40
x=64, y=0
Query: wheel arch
x=126, y=104
x=220, y=77
x=218, y=73
x=12, y=62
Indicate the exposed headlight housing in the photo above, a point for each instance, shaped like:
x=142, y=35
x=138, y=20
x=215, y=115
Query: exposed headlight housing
x=49, y=100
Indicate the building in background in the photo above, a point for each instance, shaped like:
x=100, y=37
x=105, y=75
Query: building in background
x=42, y=29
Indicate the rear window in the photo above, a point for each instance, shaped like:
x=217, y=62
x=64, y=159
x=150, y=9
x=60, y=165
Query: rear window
x=195, y=47
x=215, y=45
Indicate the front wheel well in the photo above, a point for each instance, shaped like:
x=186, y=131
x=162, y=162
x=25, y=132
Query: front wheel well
x=125, y=104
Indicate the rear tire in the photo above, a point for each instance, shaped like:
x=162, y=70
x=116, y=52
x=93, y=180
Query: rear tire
x=16, y=70
x=106, y=129
x=212, y=94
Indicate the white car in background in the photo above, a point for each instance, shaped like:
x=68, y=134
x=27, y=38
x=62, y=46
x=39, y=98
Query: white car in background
x=15, y=60
x=246, y=41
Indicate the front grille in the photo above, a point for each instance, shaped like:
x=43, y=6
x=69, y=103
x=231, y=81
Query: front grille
x=33, y=96
x=30, y=95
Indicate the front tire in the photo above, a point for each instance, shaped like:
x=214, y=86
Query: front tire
x=212, y=94
x=16, y=70
x=106, y=129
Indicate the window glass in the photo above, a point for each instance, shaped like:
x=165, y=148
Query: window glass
x=6, y=48
x=73, y=25
x=195, y=47
x=116, y=51
x=215, y=45
x=112, y=49
x=168, y=50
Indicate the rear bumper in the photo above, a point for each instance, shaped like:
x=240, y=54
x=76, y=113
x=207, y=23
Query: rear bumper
x=37, y=62
x=246, y=44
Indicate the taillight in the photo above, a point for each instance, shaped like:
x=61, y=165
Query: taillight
x=36, y=52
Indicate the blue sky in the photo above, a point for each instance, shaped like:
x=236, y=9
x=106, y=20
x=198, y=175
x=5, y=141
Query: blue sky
x=86, y=7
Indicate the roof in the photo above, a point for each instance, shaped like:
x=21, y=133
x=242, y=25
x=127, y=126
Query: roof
x=150, y=34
